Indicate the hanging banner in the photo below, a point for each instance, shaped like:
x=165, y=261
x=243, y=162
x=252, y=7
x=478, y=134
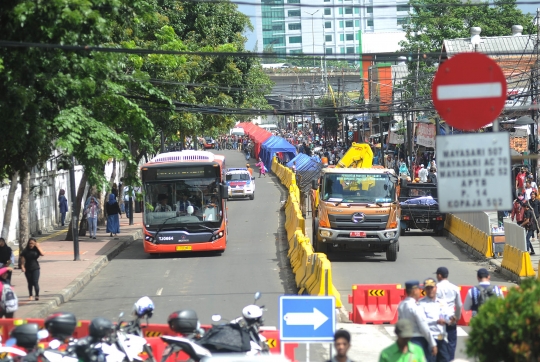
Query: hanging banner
x=395, y=139
x=425, y=135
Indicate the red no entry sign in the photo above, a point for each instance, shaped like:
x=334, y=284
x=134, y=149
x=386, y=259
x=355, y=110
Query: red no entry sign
x=469, y=91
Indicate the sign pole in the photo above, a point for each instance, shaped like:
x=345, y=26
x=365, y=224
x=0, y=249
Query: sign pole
x=307, y=352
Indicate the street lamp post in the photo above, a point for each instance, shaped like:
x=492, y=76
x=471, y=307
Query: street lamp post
x=313, y=33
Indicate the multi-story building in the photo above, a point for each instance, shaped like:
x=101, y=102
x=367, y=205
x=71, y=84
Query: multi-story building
x=331, y=26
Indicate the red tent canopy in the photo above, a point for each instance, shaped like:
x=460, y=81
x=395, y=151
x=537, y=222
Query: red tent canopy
x=257, y=134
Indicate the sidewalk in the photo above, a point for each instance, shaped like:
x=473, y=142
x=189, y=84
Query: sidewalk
x=496, y=262
x=62, y=277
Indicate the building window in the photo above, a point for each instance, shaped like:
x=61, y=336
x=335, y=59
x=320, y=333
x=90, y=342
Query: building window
x=295, y=26
x=357, y=23
x=293, y=1
x=273, y=41
x=341, y=23
x=295, y=39
x=403, y=21
x=327, y=11
x=350, y=50
x=329, y=50
x=326, y=1
x=342, y=50
x=357, y=35
x=357, y=10
x=369, y=9
x=340, y=11
x=277, y=27
x=296, y=51
x=341, y=37
x=293, y=13
x=370, y=22
x=328, y=37
x=349, y=37
x=403, y=8
x=348, y=11
x=349, y=24
x=328, y=25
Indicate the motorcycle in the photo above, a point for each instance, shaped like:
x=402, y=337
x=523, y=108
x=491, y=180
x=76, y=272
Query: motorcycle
x=241, y=335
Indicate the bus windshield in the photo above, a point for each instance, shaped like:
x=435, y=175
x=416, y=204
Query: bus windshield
x=358, y=188
x=183, y=203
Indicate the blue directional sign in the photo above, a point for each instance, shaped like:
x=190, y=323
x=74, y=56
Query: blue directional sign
x=307, y=318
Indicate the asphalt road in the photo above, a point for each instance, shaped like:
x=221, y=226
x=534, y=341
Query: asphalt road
x=255, y=260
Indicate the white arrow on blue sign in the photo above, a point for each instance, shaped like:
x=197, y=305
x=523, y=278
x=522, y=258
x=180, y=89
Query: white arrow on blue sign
x=307, y=318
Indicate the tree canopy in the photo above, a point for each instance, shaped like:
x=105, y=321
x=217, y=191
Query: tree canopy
x=98, y=105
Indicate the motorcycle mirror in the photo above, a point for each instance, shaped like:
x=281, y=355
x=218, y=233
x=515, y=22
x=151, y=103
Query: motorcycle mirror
x=121, y=315
x=257, y=295
x=216, y=318
x=42, y=334
x=10, y=342
x=54, y=344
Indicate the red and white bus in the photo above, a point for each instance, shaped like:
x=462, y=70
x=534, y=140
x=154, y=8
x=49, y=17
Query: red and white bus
x=184, y=203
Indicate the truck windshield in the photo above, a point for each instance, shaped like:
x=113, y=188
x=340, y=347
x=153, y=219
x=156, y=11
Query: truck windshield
x=358, y=188
x=189, y=203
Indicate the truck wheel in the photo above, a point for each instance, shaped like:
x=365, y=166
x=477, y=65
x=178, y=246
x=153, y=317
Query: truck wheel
x=318, y=246
x=391, y=253
x=252, y=196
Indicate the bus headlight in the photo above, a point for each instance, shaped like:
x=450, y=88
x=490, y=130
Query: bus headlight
x=217, y=236
x=149, y=239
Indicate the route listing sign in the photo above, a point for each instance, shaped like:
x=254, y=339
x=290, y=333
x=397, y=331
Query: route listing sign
x=474, y=172
x=469, y=91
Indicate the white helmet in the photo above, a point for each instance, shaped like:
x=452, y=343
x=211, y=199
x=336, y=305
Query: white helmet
x=252, y=312
x=144, y=306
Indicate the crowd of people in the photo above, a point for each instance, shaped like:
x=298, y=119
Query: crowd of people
x=526, y=206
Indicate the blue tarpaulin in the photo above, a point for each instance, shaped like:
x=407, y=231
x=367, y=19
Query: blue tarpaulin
x=273, y=145
x=303, y=162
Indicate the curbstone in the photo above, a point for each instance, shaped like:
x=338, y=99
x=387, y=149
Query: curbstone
x=84, y=278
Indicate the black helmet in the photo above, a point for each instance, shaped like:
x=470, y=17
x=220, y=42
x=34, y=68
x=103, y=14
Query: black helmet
x=61, y=325
x=26, y=335
x=100, y=327
x=183, y=321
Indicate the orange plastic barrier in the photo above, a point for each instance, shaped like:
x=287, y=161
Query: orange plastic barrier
x=375, y=303
x=152, y=333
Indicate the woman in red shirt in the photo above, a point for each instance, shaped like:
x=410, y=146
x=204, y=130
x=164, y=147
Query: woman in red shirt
x=518, y=210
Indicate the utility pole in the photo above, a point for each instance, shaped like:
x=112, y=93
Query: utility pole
x=535, y=99
x=313, y=33
x=74, y=211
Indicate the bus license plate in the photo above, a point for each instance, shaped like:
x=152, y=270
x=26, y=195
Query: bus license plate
x=358, y=234
x=183, y=248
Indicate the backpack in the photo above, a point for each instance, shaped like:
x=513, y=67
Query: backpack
x=482, y=294
x=9, y=302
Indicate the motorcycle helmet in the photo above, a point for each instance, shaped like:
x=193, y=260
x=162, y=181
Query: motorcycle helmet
x=26, y=335
x=184, y=321
x=252, y=312
x=143, y=307
x=61, y=325
x=100, y=328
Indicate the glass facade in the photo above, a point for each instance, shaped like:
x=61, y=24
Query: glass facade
x=273, y=23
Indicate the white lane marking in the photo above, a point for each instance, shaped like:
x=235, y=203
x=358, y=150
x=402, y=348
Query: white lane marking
x=469, y=91
x=460, y=331
x=167, y=273
x=159, y=291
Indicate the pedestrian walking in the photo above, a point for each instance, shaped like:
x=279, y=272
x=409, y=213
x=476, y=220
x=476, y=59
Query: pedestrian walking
x=115, y=191
x=517, y=209
x=262, y=168
x=534, y=203
x=92, y=211
x=7, y=258
x=30, y=266
x=437, y=315
x=250, y=170
x=451, y=295
x=127, y=206
x=63, y=205
x=520, y=181
x=478, y=295
x=113, y=213
x=342, y=344
x=293, y=168
x=408, y=309
x=529, y=223
x=423, y=174
x=403, y=350
x=9, y=302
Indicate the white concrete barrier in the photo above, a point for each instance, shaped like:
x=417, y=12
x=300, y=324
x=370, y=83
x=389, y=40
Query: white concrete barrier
x=514, y=235
x=479, y=220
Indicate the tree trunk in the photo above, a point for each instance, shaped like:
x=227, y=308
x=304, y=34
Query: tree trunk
x=9, y=206
x=80, y=194
x=24, y=230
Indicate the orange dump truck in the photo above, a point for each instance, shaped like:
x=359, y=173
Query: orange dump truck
x=355, y=206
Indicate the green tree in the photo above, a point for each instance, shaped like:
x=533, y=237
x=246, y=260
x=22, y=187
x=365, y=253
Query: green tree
x=508, y=329
x=433, y=21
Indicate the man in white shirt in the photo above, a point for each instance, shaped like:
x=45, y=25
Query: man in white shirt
x=423, y=173
x=437, y=315
x=451, y=295
x=408, y=309
x=475, y=298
